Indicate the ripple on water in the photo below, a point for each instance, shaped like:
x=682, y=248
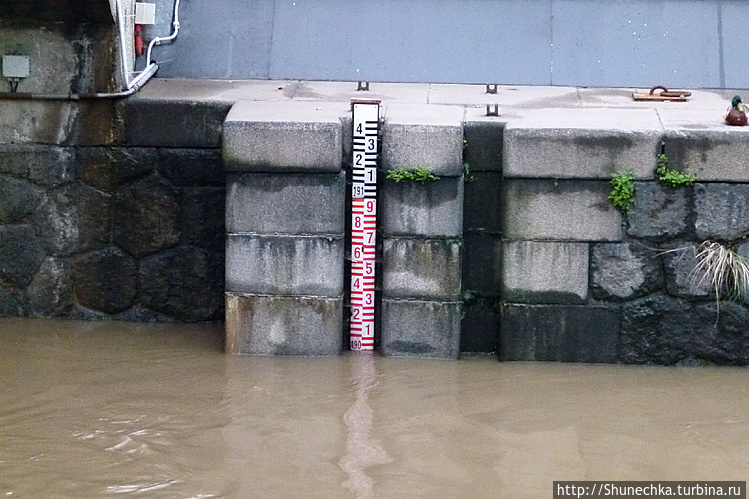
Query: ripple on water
x=111, y=409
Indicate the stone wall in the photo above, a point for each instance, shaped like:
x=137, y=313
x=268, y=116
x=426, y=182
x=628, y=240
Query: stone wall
x=122, y=233
x=287, y=239
x=285, y=228
x=582, y=283
x=515, y=249
x=72, y=47
x=109, y=209
x=422, y=232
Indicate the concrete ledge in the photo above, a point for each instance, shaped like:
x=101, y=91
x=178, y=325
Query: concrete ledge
x=421, y=268
x=286, y=203
x=285, y=265
x=558, y=333
x=545, y=272
x=710, y=155
x=572, y=210
x=582, y=143
x=420, y=135
x=152, y=122
x=284, y=137
x=421, y=328
x=699, y=142
x=434, y=209
x=283, y=325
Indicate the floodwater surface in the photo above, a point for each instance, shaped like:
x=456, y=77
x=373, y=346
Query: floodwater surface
x=117, y=409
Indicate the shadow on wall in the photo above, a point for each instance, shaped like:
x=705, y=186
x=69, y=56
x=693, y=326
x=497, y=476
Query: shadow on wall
x=68, y=12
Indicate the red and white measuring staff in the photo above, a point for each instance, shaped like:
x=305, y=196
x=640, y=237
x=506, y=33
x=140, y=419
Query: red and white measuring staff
x=366, y=125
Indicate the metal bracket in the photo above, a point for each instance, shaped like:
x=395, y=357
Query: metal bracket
x=365, y=101
x=362, y=86
x=492, y=109
x=491, y=88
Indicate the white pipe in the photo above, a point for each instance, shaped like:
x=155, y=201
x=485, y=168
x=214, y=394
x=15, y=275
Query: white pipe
x=123, y=50
x=158, y=40
x=135, y=85
x=144, y=76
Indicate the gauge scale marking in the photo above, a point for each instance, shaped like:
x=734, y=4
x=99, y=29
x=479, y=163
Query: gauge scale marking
x=366, y=125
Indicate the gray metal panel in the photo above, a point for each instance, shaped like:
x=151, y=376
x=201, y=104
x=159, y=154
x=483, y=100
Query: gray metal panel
x=735, y=20
x=636, y=43
x=415, y=40
x=632, y=43
x=164, y=19
x=220, y=39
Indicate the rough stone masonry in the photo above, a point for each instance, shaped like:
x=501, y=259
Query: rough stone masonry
x=521, y=252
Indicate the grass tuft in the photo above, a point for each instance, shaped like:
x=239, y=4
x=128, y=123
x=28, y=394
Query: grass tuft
x=723, y=269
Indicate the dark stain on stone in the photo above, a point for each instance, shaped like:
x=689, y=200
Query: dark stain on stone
x=613, y=143
x=678, y=148
x=412, y=347
x=299, y=90
x=546, y=297
x=82, y=56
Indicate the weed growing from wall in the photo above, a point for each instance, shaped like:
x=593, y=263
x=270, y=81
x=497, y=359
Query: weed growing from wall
x=670, y=177
x=623, y=191
x=420, y=175
x=467, y=175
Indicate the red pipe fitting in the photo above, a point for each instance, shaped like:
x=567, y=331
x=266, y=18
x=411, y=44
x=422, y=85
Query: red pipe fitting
x=138, y=40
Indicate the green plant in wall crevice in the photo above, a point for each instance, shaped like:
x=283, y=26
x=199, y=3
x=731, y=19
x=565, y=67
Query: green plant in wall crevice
x=673, y=178
x=623, y=190
x=467, y=174
x=420, y=175
x=466, y=168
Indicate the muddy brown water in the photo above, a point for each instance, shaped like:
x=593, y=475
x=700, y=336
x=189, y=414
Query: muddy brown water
x=116, y=409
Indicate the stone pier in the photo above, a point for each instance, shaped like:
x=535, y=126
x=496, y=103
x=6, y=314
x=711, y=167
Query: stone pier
x=422, y=230
x=285, y=224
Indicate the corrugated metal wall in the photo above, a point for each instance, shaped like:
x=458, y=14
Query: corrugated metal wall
x=680, y=43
